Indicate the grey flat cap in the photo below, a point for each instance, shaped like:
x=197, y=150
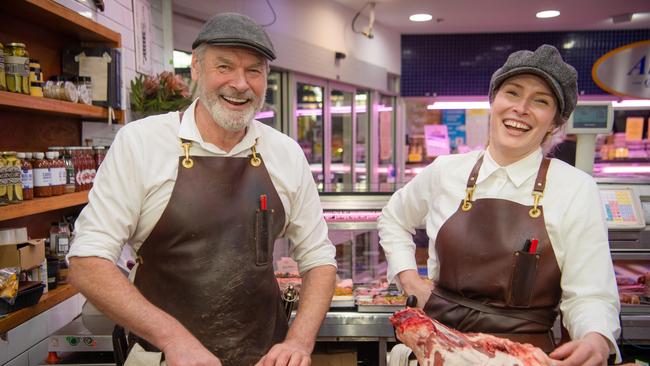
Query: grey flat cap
x=547, y=63
x=232, y=29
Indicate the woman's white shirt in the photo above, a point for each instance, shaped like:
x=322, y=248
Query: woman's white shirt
x=573, y=214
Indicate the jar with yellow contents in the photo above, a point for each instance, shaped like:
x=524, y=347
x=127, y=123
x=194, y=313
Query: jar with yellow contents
x=14, y=183
x=3, y=181
x=3, y=80
x=17, y=68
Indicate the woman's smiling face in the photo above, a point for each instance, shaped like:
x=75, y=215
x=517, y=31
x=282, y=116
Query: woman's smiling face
x=522, y=113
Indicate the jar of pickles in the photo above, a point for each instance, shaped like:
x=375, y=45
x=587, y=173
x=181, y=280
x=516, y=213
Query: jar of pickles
x=17, y=68
x=3, y=181
x=26, y=176
x=12, y=170
x=3, y=80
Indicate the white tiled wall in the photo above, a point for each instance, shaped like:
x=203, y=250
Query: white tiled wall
x=27, y=343
x=118, y=16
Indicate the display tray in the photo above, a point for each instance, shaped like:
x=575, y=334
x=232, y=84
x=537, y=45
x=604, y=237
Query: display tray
x=642, y=308
x=370, y=308
x=342, y=302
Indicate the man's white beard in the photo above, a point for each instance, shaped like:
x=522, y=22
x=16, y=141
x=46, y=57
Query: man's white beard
x=230, y=120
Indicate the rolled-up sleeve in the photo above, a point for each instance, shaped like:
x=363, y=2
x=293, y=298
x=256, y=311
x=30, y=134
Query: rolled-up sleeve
x=111, y=215
x=307, y=228
x=405, y=211
x=590, y=301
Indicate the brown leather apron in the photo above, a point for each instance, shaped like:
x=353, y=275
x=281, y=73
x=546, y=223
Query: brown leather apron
x=487, y=283
x=208, y=260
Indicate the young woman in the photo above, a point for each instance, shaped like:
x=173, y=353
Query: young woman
x=512, y=234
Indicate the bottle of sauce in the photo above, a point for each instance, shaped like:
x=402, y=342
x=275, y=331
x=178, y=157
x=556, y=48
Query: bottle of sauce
x=100, y=154
x=61, y=175
x=78, y=168
x=55, y=182
x=69, y=170
x=26, y=176
x=42, y=177
x=92, y=166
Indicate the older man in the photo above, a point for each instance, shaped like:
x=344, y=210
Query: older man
x=201, y=196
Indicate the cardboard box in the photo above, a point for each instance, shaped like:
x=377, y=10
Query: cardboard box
x=334, y=359
x=25, y=255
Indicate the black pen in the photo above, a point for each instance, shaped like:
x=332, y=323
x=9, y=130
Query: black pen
x=526, y=246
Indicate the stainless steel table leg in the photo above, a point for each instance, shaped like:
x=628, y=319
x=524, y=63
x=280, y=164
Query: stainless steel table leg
x=383, y=350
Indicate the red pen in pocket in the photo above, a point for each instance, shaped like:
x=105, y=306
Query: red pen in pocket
x=263, y=202
x=533, y=246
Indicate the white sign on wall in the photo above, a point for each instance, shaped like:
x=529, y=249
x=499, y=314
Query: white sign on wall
x=625, y=71
x=142, y=30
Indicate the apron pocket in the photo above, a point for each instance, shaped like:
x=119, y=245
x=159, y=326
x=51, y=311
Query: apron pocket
x=523, y=277
x=263, y=240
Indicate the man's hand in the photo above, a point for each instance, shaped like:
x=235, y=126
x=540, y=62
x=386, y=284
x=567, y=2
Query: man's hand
x=188, y=351
x=592, y=350
x=412, y=284
x=315, y=298
x=287, y=353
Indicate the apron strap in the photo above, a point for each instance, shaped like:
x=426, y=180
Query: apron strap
x=540, y=181
x=471, y=181
x=187, y=145
x=540, y=316
x=538, y=188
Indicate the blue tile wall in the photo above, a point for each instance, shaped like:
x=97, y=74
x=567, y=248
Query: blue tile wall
x=462, y=64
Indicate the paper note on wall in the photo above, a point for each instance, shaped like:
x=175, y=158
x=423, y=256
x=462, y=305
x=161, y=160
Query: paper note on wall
x=634, y=128
x=97, y=69
x=436, y=140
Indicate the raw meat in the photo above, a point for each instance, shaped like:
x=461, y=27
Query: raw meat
x=434, y=344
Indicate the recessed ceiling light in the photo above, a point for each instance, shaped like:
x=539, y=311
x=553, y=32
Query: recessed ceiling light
x=420, y=17
x=548, y=14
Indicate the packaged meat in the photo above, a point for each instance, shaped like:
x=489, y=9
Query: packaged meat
x=435, y=344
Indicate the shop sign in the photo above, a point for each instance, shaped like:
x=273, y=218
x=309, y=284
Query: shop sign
x=625, y=71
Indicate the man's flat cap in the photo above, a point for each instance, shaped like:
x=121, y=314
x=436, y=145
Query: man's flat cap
x=546, y=63
x=232, y=29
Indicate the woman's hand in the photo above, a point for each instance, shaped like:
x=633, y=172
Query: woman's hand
x=592, y=350
x=412, y=284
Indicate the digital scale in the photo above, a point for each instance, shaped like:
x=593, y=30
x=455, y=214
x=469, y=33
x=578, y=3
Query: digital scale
x=588, y=120
x=622, y=206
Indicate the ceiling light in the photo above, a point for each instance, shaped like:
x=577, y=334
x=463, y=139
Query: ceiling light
x=420, y=17
x=631, y=103
x=459, y=105
x=569, y=44
x=548, y=14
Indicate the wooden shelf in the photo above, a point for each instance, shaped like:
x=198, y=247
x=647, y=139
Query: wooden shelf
x=24, y=102
x=47, y=301
x=39, y=205
x=56, y=17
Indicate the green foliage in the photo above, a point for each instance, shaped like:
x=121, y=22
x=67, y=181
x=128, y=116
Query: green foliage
x=164, y=92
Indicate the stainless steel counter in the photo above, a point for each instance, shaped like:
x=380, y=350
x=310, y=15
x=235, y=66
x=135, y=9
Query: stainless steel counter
x=351, y=324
